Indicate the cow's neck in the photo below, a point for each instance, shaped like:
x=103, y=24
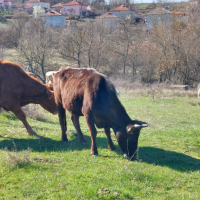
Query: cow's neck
x=121, y=117
x=33, y=91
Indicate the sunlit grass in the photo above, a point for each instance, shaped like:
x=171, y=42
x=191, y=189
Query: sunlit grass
x=168, y=160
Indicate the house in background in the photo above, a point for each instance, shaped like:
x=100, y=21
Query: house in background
x=180, y=16
x=44, y=4
x=158, y=15
x=57, y=7
x=74, y=8
x=6, y=4
x=53, y=18
x=109, y=20
x=124, y=12
x=28, y=9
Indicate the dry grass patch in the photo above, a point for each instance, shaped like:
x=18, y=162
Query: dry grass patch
x=16, y=158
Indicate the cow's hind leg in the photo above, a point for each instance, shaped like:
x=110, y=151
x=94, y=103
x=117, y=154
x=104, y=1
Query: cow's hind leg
x=110, y=142
x=93, y=132
x=63, y=123
x=75, y=120
x=22, y=117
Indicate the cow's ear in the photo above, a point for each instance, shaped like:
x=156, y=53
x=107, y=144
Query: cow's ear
x=49, y=93
x=62, y=76
x=129, y=128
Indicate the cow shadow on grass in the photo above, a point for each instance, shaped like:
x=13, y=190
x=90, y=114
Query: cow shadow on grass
x=49, y=145
x=174, y=160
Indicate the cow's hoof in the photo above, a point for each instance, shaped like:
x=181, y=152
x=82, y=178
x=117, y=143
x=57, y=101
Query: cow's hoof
x=129, y=158
x=94, y=153
x=31, y=133
x=125, y=156
x=65, y=141
x=35, y=134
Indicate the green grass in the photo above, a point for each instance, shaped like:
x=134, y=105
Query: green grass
x=168, y=160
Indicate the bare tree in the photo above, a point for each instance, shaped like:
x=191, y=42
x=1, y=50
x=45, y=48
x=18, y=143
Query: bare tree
x=97, y=44
x=138, y=39
x=72, y=44
x=122, y=40
x=17, y=24
x=37, y=47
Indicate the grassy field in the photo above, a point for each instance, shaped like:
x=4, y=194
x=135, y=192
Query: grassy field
x=168, y=162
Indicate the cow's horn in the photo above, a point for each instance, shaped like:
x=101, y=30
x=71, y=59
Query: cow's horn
x=140, y=126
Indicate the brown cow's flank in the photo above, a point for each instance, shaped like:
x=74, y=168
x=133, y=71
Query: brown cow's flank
x=17, y=88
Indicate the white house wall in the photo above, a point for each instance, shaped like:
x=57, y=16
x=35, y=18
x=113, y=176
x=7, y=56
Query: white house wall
x=124, y=14
x=55, y=20
x=154, y=19
x=109, y=22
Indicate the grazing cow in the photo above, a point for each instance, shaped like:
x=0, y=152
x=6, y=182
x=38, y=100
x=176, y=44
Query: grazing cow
x=85, y=92
x=49, y=76
x=18, y=89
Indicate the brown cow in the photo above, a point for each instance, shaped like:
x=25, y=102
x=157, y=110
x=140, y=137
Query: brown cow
x=18, y=89
x=85, y=92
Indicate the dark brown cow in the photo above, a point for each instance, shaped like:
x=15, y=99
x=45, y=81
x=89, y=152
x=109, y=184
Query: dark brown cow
x=85, y=92
x=18, y=89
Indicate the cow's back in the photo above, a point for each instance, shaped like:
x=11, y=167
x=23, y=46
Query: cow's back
x=14, y=80
x=12, y=73
x=10, y=79
x=9, y=70
x=81, y=90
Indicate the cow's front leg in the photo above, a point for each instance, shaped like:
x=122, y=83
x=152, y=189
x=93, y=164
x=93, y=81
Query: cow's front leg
x=63, y=123
x=111, y=146
x=75, y=120
x=22, y=117
x=93, y=132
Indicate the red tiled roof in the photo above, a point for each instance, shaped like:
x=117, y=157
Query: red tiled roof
x=57, y=5
x=73, y=3
x=35, y=1
x=27, y=7
x=51, y=13
x=122, y=8
x=107, y=15
x=176, y=12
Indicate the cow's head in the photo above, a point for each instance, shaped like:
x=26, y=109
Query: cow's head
x=48, y=101
x=128, y=139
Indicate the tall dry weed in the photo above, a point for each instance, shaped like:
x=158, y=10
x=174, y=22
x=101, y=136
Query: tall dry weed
x=35, y=112
x=16, y=158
